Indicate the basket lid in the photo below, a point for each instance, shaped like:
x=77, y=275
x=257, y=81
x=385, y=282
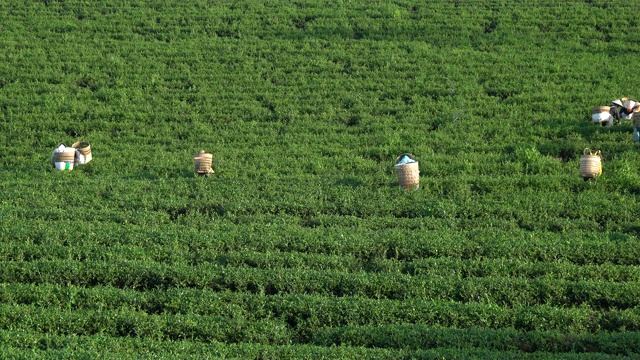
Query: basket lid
x=405, y=158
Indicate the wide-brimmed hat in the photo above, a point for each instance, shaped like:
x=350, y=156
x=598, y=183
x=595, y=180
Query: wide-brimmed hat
x=629, y=104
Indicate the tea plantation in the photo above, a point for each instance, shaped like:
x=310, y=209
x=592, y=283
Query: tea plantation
x=302, y=245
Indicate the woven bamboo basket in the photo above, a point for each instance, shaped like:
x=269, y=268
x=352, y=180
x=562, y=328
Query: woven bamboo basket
x=63, y=160
x=590, y=164
x=408, y=175
x=85, y=149
x=600, y=109
x=203, y=163
x=64, y=156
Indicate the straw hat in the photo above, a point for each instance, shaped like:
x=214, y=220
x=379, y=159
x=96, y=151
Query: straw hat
x=630, y=104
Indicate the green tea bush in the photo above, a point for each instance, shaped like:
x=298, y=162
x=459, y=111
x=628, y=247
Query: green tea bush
x=301, y=244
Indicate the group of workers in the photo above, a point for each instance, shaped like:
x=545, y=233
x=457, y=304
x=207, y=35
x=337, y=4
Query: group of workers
x=619, y=109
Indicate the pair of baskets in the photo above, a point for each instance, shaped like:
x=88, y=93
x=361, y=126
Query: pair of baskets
x=64, y=158
x=409, y=173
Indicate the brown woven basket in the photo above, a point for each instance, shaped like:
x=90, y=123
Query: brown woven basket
x=203, y=162
x=590, y=164
x=408, y=175
x=66, y=156
x=63, y=160
x=85, y=149
x=600, y=109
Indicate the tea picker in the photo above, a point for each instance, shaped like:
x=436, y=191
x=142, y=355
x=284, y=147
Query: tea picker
x=627, y=108
x=602, y=115
x=623, y=108
x=635, y=118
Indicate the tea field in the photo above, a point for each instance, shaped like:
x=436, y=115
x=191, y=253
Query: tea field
x=302, y=245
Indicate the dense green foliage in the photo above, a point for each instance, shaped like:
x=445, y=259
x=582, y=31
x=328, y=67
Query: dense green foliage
x=301, y=245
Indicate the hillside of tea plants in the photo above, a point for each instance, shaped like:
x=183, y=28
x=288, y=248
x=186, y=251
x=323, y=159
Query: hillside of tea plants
x=302, y=245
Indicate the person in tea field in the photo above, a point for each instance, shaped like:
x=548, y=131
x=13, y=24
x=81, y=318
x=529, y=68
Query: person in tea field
x=635, y=119
x=627, y=108
x=623, y=108
x=602, y=115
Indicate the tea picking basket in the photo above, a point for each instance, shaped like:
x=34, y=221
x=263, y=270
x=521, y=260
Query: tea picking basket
x=408, y=172
x=63, y=158
x=590, y=164
x=203, y=163
x=83, y=148
x=600, y=109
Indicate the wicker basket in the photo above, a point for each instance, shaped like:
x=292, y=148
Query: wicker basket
x=590, y=164
x=408, y=175
x=600, y=109
x=203, y=163
x=85, y=149
x=63, y=160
